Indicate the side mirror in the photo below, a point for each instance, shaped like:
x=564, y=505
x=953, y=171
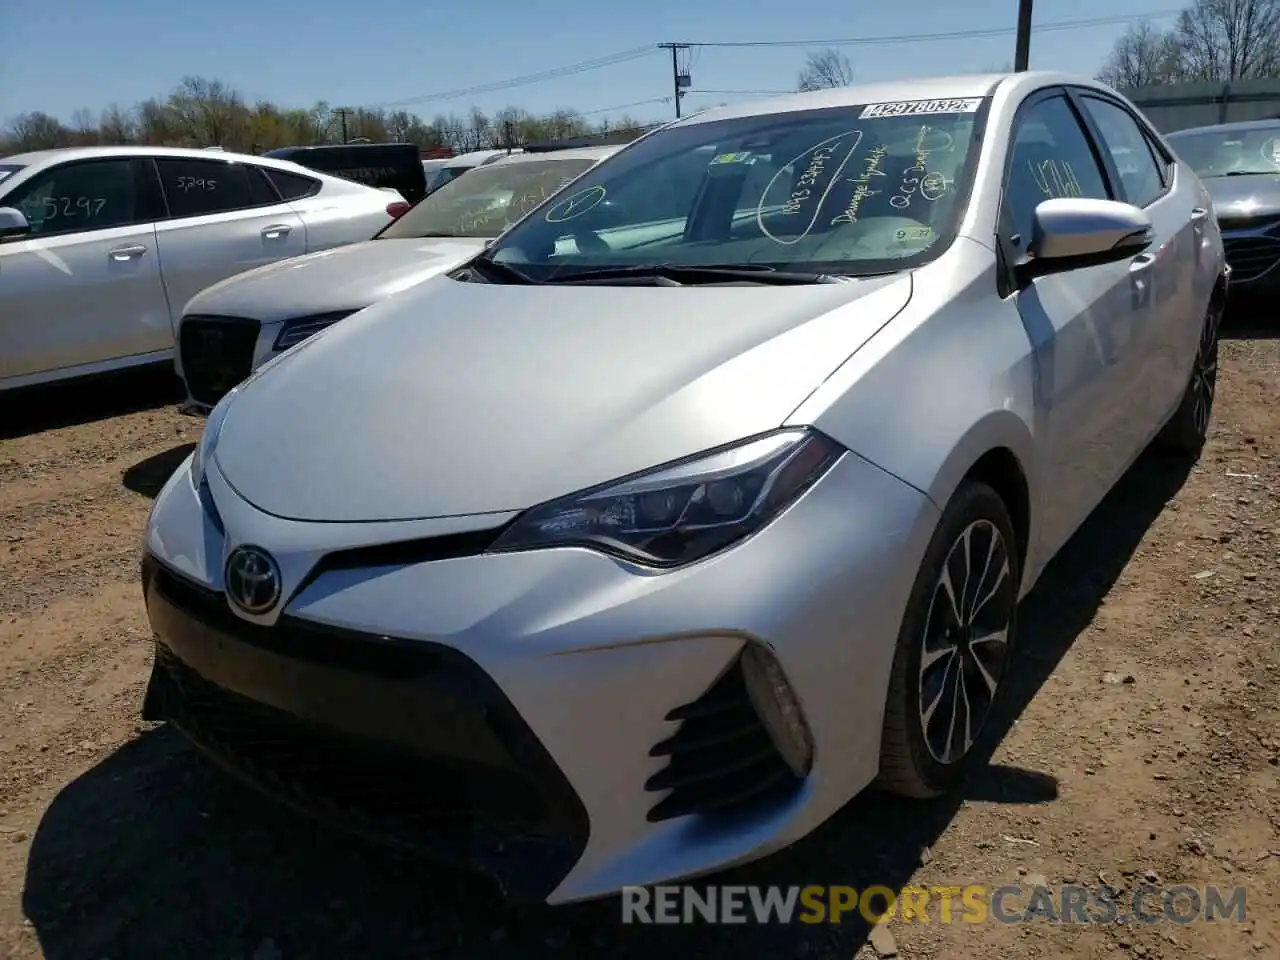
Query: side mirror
x=1070, y=233
x=13, y=223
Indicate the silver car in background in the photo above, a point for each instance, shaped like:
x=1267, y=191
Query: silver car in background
x=640, y=551
x=101, y=246
x=232, y=328
x=1240, y=165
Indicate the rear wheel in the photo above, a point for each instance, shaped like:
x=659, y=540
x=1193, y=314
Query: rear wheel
x=1185, y=433
x=953, y=647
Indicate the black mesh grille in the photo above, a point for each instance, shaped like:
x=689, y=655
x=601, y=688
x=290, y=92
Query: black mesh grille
x=721, y=758
x=216, y=354
x=382, y=789
x=1251, y=257
x=404, y=742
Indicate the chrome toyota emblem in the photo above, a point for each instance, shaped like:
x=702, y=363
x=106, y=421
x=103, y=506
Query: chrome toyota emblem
x=253, y=580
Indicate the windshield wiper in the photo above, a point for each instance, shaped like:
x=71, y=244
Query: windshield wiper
x=495, y=268
x=695, y=274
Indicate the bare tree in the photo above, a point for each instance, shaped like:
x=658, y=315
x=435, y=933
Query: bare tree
x=1143, y=56
x=1229, y=39
x=84, y=128
x=825, y=69
x=116, y=126
x=37, y=131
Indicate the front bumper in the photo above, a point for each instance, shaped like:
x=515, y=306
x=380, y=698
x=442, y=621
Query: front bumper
x=572, y=679
x=408, y=743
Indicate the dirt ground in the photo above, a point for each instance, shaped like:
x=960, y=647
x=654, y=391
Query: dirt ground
x=1141, y=743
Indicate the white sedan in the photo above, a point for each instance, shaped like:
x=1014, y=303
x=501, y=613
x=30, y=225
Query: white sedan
x=101, y=247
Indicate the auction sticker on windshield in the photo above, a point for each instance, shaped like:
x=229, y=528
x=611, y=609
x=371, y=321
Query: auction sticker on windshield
x=911, y=108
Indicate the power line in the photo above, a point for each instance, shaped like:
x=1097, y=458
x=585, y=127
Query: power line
x=622, y=106
x=637, y=53
x=622, y=56
x=931, y=37
x=741, y=93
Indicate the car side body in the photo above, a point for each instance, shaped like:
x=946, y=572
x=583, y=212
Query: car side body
x=108, y=243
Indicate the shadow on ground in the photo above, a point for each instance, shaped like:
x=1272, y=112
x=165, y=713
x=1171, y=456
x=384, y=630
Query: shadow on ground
x=154, y=854
x=36, y=409
x=149, y=476
x=1251, y=318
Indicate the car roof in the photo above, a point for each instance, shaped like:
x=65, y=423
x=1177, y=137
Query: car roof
x=477, y=157
x=965, y=86
x=141, y=150
x=570, y=153
x=1240, y=126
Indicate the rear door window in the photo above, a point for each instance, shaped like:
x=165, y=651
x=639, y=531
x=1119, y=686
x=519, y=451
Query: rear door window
x=198, y=187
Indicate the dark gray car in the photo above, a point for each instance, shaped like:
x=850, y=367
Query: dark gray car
x=1240, y=165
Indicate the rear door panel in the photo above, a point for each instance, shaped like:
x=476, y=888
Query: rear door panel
x=224, y=219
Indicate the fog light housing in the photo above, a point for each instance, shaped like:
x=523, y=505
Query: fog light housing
x=778, y=708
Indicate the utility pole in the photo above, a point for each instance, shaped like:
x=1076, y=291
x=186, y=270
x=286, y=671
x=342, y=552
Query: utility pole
x=680, y=81
x=1022, y=49
x=342, y=113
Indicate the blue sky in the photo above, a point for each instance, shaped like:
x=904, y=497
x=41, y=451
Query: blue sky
x=63, y=54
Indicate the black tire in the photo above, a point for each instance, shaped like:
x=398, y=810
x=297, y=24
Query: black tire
x=1185, y=433
x=914, y=749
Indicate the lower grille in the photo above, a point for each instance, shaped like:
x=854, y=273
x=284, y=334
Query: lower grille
x=406, y=743
x=394, y=792
x=216, y=354
x=1251, y=257
x=721, y=758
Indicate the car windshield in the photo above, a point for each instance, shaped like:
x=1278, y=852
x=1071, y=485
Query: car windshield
x=8, y=169
x=1227, y=152
x=854, y=190
x=487, y=200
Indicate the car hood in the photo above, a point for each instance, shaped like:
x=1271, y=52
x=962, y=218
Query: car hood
x=465, y=398
x=1247, y=196
x=351, y=276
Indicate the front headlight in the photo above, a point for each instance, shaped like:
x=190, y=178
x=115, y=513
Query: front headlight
x=684, y=511
x=209, y=439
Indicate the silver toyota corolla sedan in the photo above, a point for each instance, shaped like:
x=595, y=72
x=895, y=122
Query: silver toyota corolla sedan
x=233, y=327
x=101, y=246
x=701, y=500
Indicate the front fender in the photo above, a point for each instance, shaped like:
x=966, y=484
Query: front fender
x=949, y=379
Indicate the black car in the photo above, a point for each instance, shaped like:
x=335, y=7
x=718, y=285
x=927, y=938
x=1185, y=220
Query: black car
x=395, y=165
x=1240, y=166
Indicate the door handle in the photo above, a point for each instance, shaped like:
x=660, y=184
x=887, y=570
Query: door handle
x=276, y=231
x=1198, y=214
x=1141, y=262
x=130, y=252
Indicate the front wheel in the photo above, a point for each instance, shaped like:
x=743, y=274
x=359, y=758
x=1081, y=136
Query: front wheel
x=953, y=647
x=1185, y=433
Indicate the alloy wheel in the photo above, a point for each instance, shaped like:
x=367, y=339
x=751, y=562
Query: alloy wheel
x=966, y=641
x=1204, y=376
